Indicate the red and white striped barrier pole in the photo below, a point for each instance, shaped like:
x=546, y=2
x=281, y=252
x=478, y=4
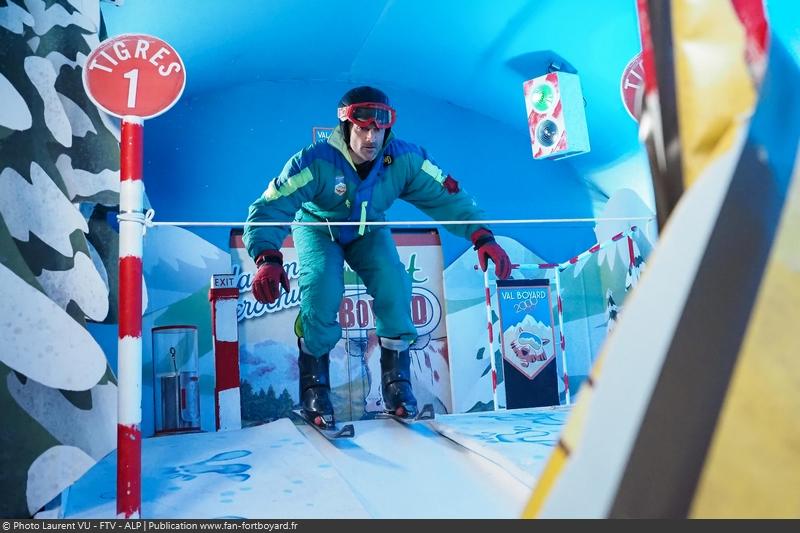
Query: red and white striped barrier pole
x=490, y=330
x=143, y=88
x=565, y=377
x=581, y=256
x=129, y=372
x=224, y=296
x=631, y=258
x=633, y=269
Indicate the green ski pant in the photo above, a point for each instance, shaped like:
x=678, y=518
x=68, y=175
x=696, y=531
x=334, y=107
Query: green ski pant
x=374, y=258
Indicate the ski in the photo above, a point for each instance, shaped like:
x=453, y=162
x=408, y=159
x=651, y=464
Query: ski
x=426, y=413
x=344, y=432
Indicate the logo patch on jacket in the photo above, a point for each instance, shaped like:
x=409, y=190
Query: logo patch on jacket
x=341, y=187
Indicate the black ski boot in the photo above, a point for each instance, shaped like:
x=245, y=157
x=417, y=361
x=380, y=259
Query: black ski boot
x=315, y=389
x=398, y=398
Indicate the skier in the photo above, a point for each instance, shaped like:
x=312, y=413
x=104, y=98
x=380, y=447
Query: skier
x=355, y=176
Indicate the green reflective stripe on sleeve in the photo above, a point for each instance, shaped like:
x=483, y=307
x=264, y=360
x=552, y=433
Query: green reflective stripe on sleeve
x=434, y=171
x=289, y=186
x=361, y=225
x=271, y=193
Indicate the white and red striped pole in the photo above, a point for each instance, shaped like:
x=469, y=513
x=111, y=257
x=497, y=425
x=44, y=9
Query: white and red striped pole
x=560, y=306
x=224, y=296
x=633, y=269
x=129, y=372
x=581, y=256
x=631, y=257
x=143, y=89
x=490, y=330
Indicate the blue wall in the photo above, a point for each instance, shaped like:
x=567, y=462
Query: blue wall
x=214, y=153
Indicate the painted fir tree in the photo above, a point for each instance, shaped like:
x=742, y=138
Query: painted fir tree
x=59, y=182
x=612, y=311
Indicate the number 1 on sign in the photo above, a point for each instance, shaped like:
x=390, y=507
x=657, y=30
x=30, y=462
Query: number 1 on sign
x=133, y=76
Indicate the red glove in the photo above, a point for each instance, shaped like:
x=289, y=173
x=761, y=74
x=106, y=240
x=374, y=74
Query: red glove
x=270, y=273
x=484, y=243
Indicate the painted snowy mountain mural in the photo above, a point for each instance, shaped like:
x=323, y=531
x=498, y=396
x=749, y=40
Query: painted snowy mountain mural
x=59, y=161
x=177, y=266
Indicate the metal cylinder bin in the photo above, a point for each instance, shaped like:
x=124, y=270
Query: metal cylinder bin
x=176, y=379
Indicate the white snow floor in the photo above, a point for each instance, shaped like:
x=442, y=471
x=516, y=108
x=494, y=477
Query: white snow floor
x=517, y=440
x=477, y=465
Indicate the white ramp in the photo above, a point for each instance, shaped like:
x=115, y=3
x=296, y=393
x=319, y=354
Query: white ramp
x=279, y=470
x=518, y=440
x=400, y=471
x=269, y=471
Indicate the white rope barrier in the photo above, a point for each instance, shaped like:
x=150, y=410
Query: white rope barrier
x=186, y=223
x=145, y=219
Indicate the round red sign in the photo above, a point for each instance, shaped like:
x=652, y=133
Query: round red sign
x=134, y=75
x=632, y=86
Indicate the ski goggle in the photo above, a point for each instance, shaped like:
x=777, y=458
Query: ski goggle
x=365, y=113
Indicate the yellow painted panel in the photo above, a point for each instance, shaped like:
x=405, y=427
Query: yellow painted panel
x=753, y=466
x=715, y=92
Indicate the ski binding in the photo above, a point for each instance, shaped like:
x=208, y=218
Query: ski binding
x=344, y=432
x=426, y=413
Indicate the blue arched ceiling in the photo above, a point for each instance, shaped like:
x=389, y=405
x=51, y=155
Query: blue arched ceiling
x=474, y=54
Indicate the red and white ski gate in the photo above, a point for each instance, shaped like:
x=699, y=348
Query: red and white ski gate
x=224, y=296
x=132, y=77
